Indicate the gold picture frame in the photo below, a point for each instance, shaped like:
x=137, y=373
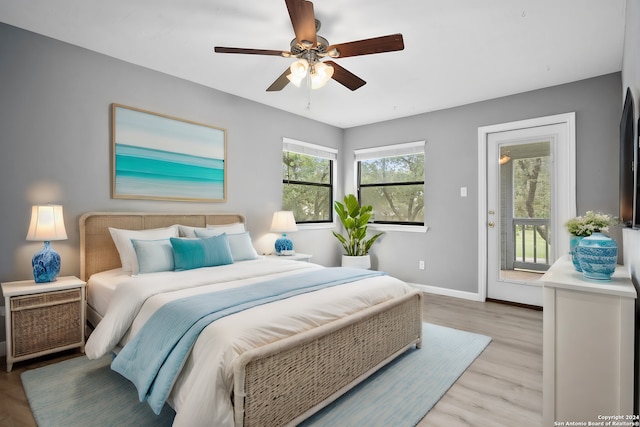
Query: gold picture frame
x=159, y=157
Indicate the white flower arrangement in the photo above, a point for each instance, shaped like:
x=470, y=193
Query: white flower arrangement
x=590, y=223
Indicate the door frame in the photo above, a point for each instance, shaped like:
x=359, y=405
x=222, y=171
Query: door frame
x=564, y=167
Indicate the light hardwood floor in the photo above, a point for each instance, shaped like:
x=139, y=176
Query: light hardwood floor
x=503, y=387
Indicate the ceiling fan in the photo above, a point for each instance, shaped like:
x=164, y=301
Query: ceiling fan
x=311, y=49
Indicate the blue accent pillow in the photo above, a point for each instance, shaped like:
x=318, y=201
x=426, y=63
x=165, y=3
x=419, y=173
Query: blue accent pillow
x=240, y=244
x=195, y=253
x=153, y=255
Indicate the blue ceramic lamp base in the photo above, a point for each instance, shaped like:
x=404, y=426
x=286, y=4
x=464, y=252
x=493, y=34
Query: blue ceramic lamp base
x=46, y=264
x=284, y=246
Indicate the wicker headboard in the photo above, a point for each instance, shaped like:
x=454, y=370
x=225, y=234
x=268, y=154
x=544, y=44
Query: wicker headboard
x=97, y=250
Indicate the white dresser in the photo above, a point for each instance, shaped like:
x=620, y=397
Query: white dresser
x=588, y=345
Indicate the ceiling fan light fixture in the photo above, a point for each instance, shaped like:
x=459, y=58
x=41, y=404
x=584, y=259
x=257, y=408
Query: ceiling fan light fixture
x=333, y=53
x=317, y=82
x=299, y=68
x=295, y=80
x=325, y=71
x=320, y=75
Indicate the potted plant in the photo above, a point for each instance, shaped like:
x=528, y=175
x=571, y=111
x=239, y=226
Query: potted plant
x=591, y=222
x=354, y=219
x=585, y=226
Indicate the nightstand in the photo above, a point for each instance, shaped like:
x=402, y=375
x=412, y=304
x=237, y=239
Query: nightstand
x=43, y=318
x=294, y=257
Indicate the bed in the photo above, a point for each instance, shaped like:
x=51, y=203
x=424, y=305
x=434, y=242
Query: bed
x=274, y=364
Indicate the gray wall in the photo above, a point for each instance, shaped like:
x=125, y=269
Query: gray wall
x=449, y=247
x=631, y=79
x=631, y=54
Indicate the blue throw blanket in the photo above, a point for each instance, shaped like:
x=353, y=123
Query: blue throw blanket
x=156, y=354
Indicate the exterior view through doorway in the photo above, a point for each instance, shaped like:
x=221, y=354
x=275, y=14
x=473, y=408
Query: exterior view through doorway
x=526, y=194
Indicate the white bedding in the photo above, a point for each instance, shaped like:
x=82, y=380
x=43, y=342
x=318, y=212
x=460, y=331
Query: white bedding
x=100, y=288
x=202, y=393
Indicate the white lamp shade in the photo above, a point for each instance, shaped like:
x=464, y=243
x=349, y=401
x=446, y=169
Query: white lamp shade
x=47, y=223
x=283, y=222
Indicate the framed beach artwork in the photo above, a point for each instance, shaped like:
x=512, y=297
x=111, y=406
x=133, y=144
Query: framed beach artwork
x=164, y=158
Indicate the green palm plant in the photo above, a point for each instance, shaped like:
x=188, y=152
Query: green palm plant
x=354, y=219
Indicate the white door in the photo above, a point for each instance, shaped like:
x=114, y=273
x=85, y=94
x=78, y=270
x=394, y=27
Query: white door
x=529, y=194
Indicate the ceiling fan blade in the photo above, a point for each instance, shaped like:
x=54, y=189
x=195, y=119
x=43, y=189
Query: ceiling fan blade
x=344, y=77
x=280, y=82
x=303, y=21
x=220, y=49
x=381, y=44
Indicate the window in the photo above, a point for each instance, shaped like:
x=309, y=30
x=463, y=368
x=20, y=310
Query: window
x=307, y=181
x=391, y=179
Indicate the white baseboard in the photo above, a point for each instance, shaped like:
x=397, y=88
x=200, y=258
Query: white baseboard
x=448, y=292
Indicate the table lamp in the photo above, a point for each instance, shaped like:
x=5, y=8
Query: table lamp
x=47, y=224
x=283, y=222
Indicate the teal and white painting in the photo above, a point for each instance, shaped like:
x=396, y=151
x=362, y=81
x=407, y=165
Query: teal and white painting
x=164, y=158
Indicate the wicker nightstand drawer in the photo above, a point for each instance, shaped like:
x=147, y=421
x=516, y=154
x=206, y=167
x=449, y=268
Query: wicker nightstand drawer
x=45, y=321
x=43, y=318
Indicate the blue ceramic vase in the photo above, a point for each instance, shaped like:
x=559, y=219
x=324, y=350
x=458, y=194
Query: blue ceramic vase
x=283, y=245
x=46, y=264
x=573, y=246
x=598, y=256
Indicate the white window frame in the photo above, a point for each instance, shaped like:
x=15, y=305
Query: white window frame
x=301, y=147
x=403, y=149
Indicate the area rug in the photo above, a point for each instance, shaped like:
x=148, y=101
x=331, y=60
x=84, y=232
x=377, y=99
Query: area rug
x=87, y=393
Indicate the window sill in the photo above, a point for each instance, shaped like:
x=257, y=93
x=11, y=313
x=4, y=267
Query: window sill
x=317, y=226
x=399, y=227
x=376, y=227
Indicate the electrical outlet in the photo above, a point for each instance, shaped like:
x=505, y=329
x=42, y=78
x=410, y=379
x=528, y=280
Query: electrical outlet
x=421, y=265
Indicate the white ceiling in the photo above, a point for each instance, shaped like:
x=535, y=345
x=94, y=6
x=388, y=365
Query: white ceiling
x=456, y=52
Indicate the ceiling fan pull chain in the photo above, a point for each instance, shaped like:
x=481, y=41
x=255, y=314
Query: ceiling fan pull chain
x=309, y=88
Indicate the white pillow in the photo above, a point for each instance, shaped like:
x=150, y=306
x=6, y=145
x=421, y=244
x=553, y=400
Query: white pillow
x=236, y=227
x=239, y=243
x=122, y=240
x=241, y=246
x=189, y=231
x=153, y=255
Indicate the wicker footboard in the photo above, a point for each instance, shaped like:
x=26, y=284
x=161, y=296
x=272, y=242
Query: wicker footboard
x=285, y=382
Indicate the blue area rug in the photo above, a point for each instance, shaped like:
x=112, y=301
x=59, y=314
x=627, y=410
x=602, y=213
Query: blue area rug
x=82, y=392
x=401, y=393
x=86, y=393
